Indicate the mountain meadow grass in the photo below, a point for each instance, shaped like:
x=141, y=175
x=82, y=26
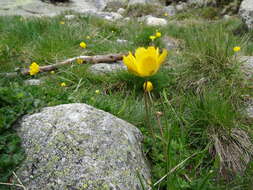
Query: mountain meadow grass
x=198, y=137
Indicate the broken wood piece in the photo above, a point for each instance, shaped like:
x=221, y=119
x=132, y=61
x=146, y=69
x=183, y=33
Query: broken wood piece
x=109, y=58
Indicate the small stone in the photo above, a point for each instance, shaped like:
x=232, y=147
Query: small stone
x=154, y=21
x=110, y=16
x=246, y=12
x=181, y=7
x=170, y=43
x=121, y=11
x=133, y=2
x=170, y=10
x=69, y=17
x=33, y=82
x=121, y=41
x=127, y=19
x=247, y=66
x=226, y=17
x=249, y=111
x=105, y=68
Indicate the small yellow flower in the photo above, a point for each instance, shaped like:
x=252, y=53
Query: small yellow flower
x=83, y=45
x=152, y=37
x=148, y=86
x=34, y=68
x=62, y=22
x=237, y=48
x=79, y=61
x=87, y=37
x=63, y=84
x=158, y=34
x=166, y=14
x=52, y=72
x=97, y=91
x=145, y=62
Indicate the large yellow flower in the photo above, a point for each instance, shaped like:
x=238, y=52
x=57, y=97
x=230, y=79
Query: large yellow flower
x=146, y=62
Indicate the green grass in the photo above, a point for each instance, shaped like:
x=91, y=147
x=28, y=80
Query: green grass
x=196, y=100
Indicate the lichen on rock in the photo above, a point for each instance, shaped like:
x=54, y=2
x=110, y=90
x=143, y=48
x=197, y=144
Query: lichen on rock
x=76, y=146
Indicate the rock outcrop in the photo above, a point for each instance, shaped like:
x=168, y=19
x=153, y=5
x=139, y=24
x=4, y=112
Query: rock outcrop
x=76, y=146
x=246, y=12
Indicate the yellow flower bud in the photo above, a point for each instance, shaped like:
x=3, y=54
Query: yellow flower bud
x=97, y=91
x=158, y=34
x=152, y=38
x=148, y=86
x=79, y=61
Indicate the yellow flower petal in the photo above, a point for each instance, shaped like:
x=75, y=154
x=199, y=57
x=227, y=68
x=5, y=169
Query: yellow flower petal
x=237, y=48
x=162, y=57
x=147, y=67
x=83, y=45
x=130, y=62
x=34, y=68
x=152, y=37
x=63, y=84
x=158, y=34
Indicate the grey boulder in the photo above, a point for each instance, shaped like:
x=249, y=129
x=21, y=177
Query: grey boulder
x=170, y=10
x=105, y=68
x=246, y=12
x=76, y=146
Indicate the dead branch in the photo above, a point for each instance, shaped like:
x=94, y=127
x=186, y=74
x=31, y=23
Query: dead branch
x=109, y=58
x=19, y=184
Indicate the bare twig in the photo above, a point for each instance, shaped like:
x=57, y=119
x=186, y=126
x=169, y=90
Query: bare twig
x=174, y=169
x=109, y=58
x=19, y=184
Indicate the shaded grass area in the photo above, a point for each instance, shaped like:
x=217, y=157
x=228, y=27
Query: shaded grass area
x=194, y=107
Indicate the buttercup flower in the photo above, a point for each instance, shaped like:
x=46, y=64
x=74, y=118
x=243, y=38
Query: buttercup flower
x=237, y=48
x=79, y=61
x=148, y=86
x=158, y=34
x=152, y=37
x=34, y=68
x=63, y=84
x=146, y=62
x=83, y=45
